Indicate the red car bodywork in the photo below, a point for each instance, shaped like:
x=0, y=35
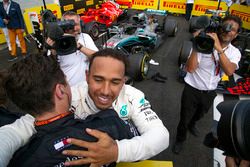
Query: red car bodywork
x=127, y=3
x=106, y=14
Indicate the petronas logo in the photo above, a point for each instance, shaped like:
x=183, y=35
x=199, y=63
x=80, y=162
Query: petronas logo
x=123, y=110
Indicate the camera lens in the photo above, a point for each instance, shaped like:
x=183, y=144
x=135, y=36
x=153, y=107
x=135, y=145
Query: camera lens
x=204, y=43
x=66, y=45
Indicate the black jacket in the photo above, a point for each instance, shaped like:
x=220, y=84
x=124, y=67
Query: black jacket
x=7, y=117
x=15, y=16
x=46, y=146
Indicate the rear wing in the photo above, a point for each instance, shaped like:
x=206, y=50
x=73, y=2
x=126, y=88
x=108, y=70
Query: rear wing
x=156, y=12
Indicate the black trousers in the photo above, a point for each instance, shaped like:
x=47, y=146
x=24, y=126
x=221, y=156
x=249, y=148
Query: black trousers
x=189, y=7
x=194, y=104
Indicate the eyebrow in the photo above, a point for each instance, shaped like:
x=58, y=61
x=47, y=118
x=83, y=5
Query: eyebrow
x=113, y=79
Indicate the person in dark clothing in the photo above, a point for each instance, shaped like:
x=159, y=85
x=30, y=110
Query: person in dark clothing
x=12, y=16
x=47, y=94
x=189, y=7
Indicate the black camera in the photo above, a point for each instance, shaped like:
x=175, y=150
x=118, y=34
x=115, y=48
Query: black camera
x=204, y=43
x=58, y=31
x=64, y=43
x=66, y=25
x=232, y=133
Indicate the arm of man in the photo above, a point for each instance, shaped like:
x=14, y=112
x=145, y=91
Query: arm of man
x=227, y=66
x=127, y=150
x=87, y=45
x=192, y=62
x=148, y=124
x=14, y=136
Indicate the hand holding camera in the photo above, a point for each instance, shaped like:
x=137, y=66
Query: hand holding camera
x=59, y=37
x=217, y=45
x=207, y=39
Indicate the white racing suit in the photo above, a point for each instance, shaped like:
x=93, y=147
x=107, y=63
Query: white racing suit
x=131, y=105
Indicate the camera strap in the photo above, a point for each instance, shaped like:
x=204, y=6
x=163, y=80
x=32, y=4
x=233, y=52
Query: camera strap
x=217, y=65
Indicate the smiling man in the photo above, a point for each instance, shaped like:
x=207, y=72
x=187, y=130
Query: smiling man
x=105, y=89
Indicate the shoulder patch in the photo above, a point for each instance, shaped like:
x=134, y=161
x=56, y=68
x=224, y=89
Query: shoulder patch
x=124, y=110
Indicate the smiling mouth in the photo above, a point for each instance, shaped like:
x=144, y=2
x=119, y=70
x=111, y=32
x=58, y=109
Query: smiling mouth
x=103, y=99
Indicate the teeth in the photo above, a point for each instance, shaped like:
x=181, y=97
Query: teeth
x=103, y=99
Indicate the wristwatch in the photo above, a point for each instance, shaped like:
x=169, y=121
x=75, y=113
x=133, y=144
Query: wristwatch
x=219, y=53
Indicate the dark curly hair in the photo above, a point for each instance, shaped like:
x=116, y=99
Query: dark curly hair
x=31, y=82
x=115, y=54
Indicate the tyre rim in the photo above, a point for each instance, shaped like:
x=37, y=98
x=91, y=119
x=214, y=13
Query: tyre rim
x=145, y=66
x=145, y=69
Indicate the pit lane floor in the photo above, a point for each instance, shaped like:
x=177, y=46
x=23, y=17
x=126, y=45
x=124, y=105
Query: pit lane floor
x=165, y=100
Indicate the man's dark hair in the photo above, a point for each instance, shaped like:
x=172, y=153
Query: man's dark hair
x=31, y=83
x=115, y=54
x=234, y=18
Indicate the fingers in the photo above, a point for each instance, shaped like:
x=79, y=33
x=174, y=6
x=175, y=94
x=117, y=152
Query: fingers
x=80, y=143
x=49, y=41
x=79, y=162
x=96, y=133
x=77, y=153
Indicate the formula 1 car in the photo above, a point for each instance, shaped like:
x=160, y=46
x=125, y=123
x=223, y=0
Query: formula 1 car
x=132, y=39
x=99, y=19
x=127, y=3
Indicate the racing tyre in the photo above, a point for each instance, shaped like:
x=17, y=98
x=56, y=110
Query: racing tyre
x=192, y=24
x=138, y=65
x=170, y=27
x=92, y=29
x=184, y=52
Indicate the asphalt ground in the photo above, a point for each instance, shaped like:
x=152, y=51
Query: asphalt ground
x=164, y=98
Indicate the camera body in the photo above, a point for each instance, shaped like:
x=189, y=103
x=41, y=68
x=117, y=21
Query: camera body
x=66, y=44
x=232, y=132
x=60, y=32
x=204, y=43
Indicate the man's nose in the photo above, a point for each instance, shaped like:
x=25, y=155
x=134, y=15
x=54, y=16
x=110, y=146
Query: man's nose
x=106, y=88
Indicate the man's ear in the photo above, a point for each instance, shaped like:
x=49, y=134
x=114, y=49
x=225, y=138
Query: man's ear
x=59, y=93
x=87, y=75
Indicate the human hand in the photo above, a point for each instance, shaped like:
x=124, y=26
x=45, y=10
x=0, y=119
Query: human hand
x=104, y=151
x=196, y=33
x=5, y=21
x=233, y=161
x=217, y=44
x=50, y=42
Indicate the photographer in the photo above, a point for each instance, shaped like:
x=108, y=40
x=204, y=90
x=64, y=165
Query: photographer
x=75, y=64
x=204, y=71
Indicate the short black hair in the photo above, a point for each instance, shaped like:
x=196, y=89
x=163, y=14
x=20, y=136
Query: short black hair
x=235, y=19
x=113, y=53
x=31, y=82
